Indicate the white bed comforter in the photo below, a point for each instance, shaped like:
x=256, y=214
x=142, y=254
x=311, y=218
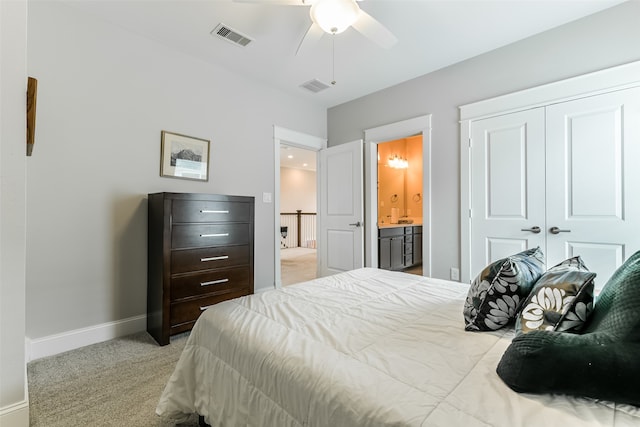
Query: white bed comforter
x=364, y=348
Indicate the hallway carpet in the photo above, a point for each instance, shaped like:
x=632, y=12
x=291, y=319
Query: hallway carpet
x=298, y=265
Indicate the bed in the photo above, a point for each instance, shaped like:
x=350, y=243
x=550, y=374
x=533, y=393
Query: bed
x=367, y=347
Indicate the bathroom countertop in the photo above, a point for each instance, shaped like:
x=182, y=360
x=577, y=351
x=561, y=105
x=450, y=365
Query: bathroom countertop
x=397, y=225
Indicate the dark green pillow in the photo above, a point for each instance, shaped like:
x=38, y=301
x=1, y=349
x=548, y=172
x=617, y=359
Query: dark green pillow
x=562, y=363
x=617, y=311
x=497, y=292
x=602, y=363
x=561, y=300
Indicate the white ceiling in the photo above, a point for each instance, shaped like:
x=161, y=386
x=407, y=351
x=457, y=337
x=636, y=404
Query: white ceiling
x=297, y=158
x=432, y=34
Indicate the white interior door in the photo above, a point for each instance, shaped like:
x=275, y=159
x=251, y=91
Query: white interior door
x=593, y=180
x=340, y=243
x=507, y=186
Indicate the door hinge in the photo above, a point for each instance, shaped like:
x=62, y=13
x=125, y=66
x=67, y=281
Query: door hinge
x=470, y=213
x=470, y=142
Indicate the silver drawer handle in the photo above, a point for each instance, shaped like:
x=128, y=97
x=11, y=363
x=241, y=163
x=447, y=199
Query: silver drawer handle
x=556, y=230
x=215, y=235
x=214, y=282
x=214, y=258
x=205, y=307
x=219, y=212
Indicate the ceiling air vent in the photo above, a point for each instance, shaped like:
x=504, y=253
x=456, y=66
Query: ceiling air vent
x=233, y=36
x=315, y=86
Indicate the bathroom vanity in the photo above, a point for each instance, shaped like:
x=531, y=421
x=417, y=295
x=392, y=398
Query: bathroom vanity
x=399, y=246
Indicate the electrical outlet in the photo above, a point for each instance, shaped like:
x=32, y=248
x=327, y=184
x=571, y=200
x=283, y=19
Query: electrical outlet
x=455, y=274
x=266, y=197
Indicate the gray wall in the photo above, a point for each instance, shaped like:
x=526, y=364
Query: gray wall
x=606, y=39
x=14, y=410
x=104, y=96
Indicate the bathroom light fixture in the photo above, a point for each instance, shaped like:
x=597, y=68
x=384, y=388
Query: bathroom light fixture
x=334, y=16
x=398, y=162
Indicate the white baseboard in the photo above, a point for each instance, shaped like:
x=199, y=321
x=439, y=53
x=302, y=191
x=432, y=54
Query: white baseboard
x=59, y=343
x=16, y=415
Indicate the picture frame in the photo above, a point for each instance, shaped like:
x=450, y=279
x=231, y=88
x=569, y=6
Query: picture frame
x=184, y=157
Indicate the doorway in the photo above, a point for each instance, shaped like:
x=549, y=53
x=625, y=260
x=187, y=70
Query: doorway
x=283, y=137
x=399, y=200
x=298, y=213
x=404, y=129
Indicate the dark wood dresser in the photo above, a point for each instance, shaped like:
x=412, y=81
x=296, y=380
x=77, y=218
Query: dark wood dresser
x=200, y=252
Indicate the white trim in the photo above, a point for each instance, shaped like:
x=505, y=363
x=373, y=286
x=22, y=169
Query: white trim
x=298, y=139
x=391, y=131
x=603, y=81
x=607, y=80
x=70, y=340
x=283, y=136
x=465, y=202
x=371, y=203
x=15, y=415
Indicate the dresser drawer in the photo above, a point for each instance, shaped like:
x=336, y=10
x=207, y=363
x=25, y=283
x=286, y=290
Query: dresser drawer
x=210, y=211
x=207, y=282
x=187, y=260
x=202, y=235
x=186, y=312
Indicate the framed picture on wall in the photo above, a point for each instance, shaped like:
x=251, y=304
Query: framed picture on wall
x=184, y=157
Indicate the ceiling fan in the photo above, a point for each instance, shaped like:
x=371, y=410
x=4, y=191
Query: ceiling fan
x=335, y=16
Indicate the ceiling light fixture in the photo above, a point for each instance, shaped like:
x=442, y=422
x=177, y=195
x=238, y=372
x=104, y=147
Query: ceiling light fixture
x=334, y=16
x=398, y=162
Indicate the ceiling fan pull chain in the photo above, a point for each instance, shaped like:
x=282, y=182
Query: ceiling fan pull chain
x=333, y=59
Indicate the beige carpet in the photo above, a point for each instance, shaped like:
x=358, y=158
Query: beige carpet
x=116, y=383
x=297, y=265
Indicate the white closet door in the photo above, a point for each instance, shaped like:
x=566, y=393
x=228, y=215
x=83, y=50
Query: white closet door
x=507, y=186
x=593, y=180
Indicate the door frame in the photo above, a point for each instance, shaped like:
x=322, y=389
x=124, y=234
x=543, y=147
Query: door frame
x=284, y=136
x=389, y=132
x=599, y=82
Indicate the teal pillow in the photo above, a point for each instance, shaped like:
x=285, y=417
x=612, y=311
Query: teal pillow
x=497, y=292
x=602, y=363
x=561, y=300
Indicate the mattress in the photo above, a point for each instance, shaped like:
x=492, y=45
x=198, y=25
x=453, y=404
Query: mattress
x=367, y=347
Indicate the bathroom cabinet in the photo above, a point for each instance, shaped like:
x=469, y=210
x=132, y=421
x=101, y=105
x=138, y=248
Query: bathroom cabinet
x=399, y=247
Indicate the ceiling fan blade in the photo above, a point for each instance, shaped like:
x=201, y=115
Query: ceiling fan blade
x=311, y=37
x=369, y=27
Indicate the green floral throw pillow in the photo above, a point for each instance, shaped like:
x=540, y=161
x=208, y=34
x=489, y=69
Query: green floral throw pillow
x=561, y=300
x=497, y=292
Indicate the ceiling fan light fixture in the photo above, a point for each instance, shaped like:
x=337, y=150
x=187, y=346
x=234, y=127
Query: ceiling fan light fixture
x=334, y=16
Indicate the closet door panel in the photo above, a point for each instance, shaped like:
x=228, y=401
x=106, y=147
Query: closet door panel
x=507, y=186
x=593, y=180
